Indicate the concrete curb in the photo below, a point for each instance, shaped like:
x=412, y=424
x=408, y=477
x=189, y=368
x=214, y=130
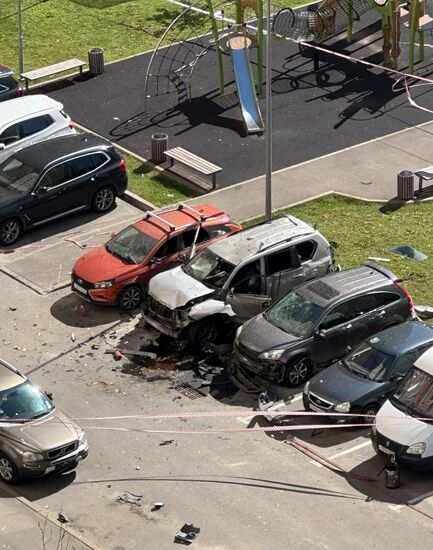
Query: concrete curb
x=134, y=200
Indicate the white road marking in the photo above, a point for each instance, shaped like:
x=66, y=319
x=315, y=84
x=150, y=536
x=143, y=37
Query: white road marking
x=350, y=450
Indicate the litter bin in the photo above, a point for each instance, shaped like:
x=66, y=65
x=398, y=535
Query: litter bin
x=159, y=145
x=405, y=185
x=96, y=61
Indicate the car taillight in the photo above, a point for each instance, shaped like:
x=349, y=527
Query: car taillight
x=406, y=293
x=122, y=165
x=72, y=125
x=19, y=92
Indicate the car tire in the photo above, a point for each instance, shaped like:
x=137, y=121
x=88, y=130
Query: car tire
x=203, y=333
x=8, y=471
x=371, y=409
x=298, y=371
x=104, y=199
x=130, y=298
x=10, y=231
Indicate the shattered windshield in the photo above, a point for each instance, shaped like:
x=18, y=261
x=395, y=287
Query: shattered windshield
x=209, y=268
x=294, y=314
x=369, y=362
x=416, y=393
x=24, y=402
x=16, y=176
x=131, y=245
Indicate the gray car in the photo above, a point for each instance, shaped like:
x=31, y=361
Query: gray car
x=316, y=324
x=236, y=278
x=35, y=437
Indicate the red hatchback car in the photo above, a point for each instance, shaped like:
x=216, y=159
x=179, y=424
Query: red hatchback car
x=118, y=271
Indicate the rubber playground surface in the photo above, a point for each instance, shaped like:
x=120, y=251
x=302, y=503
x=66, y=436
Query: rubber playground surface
x=314, y=113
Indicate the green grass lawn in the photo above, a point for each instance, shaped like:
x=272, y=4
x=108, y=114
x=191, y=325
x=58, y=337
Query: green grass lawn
x=153, y=186
x=361, y=230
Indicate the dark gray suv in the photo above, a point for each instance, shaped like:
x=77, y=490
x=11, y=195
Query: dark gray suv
x=317, y=323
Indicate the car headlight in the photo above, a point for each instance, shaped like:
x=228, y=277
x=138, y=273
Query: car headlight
x=343, y=407
x=307, y=387
x=82, y=437
x=29, y=457
x=416, y=449
x=272, y=355
x=237, y=334
x=103, y=284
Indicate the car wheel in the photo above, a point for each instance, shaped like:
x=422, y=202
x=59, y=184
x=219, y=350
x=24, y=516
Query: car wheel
x=10, y=232
x=203, y=333
x=8, y=471
x=130, y=298
x=371, y=410
x=298, y=372
x=103, y=199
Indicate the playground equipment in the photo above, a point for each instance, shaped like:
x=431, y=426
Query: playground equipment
x=171, y=68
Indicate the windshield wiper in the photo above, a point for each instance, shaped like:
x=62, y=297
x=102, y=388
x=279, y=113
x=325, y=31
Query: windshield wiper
x=40, y=415
x=130, y=259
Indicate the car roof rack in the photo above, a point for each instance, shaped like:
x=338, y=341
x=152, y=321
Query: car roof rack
x=183, y=206
x=150, y=214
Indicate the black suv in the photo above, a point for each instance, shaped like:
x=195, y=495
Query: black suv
x=9, y=87
x=317, y=323
x=53, y=178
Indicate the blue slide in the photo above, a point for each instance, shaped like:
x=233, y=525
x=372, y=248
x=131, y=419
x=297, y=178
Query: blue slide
x=247, y=93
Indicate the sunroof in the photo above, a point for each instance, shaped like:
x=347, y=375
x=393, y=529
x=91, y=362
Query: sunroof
x=323, y=290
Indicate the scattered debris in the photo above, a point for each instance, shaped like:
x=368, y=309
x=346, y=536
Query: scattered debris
x=157, y=506
x=148, y=354
x=408, y=252
x=12, y=308
x=102, y=383
x=130, y=498
x=138, y=467
x=73, y=338
x=117, y=356
x=83, y=310
x=378, y=259
x=187, y=533
x=63, y=519
x=166, y=442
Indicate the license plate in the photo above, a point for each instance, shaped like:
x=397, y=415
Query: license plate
x=80, y=289
x=385, y=450
x=315, y=408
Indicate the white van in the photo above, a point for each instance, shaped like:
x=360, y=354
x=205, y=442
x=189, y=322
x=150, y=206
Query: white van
x=30, y=119
x=404, y=424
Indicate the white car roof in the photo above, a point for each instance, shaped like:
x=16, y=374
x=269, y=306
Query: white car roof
x=22, y=107
x=425, y=361
x=236, y=248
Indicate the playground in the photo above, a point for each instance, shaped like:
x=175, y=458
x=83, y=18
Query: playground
x=321, y=104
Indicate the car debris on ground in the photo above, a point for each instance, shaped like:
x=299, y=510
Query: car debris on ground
x=130, y=498
x=157, y=506
x=187, y=533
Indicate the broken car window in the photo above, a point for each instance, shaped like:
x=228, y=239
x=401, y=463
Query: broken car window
x=280, y=261
x=294, y=314
x=24, y=402
x=131, y=245
x=248, y=279
x=306, y=250
x=209, y=268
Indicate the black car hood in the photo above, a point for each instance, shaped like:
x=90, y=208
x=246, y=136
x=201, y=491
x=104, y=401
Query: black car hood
x=338, y=384
x=260, y=335
x=8, y=197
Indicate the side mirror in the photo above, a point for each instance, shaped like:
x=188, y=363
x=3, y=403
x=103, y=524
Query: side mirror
x=2, y=146
x=182, y=257
x=49, y=395
x=42, y=190
x=113, y=234
x=266, y=304
x=155, y=260
x=321, y=332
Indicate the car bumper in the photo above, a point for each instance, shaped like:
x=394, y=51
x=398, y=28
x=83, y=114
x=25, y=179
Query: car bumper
x=164, y=328
x=386, y=447
x=101, y=296
x=59, y=465
x=245, y=379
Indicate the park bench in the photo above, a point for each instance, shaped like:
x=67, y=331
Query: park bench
x=188, y=160
x=426, y=174
x=53, y=69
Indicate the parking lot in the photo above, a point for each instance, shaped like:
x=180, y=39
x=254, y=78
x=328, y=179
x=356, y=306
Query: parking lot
x=242, y=488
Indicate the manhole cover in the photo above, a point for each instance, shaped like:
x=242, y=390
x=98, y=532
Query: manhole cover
x=189, y=391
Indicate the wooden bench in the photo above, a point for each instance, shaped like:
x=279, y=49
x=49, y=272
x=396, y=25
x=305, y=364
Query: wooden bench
x=53, y=69
x=426, y=174
x=189, y=160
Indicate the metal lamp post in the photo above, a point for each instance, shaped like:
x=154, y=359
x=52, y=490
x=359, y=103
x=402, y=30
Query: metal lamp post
x=20, y=39
x=268, y=132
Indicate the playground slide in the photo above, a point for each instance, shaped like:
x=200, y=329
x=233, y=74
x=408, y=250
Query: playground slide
x=246, y=89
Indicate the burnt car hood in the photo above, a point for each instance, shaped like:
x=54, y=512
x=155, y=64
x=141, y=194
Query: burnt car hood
x=49, y=432
x=260, y=335
x=98, y=265
x=175, y=288
x=338, y=384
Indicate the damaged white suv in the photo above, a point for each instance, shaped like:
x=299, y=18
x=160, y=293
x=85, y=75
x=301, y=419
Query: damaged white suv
x=235, y=279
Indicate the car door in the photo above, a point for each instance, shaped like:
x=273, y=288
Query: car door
x=9, y=141
x=284, y=272
x=49, y=195
x=247, y=295
x=165, y=257
x=86, y=177
x=384, y=312
x=401, y=367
